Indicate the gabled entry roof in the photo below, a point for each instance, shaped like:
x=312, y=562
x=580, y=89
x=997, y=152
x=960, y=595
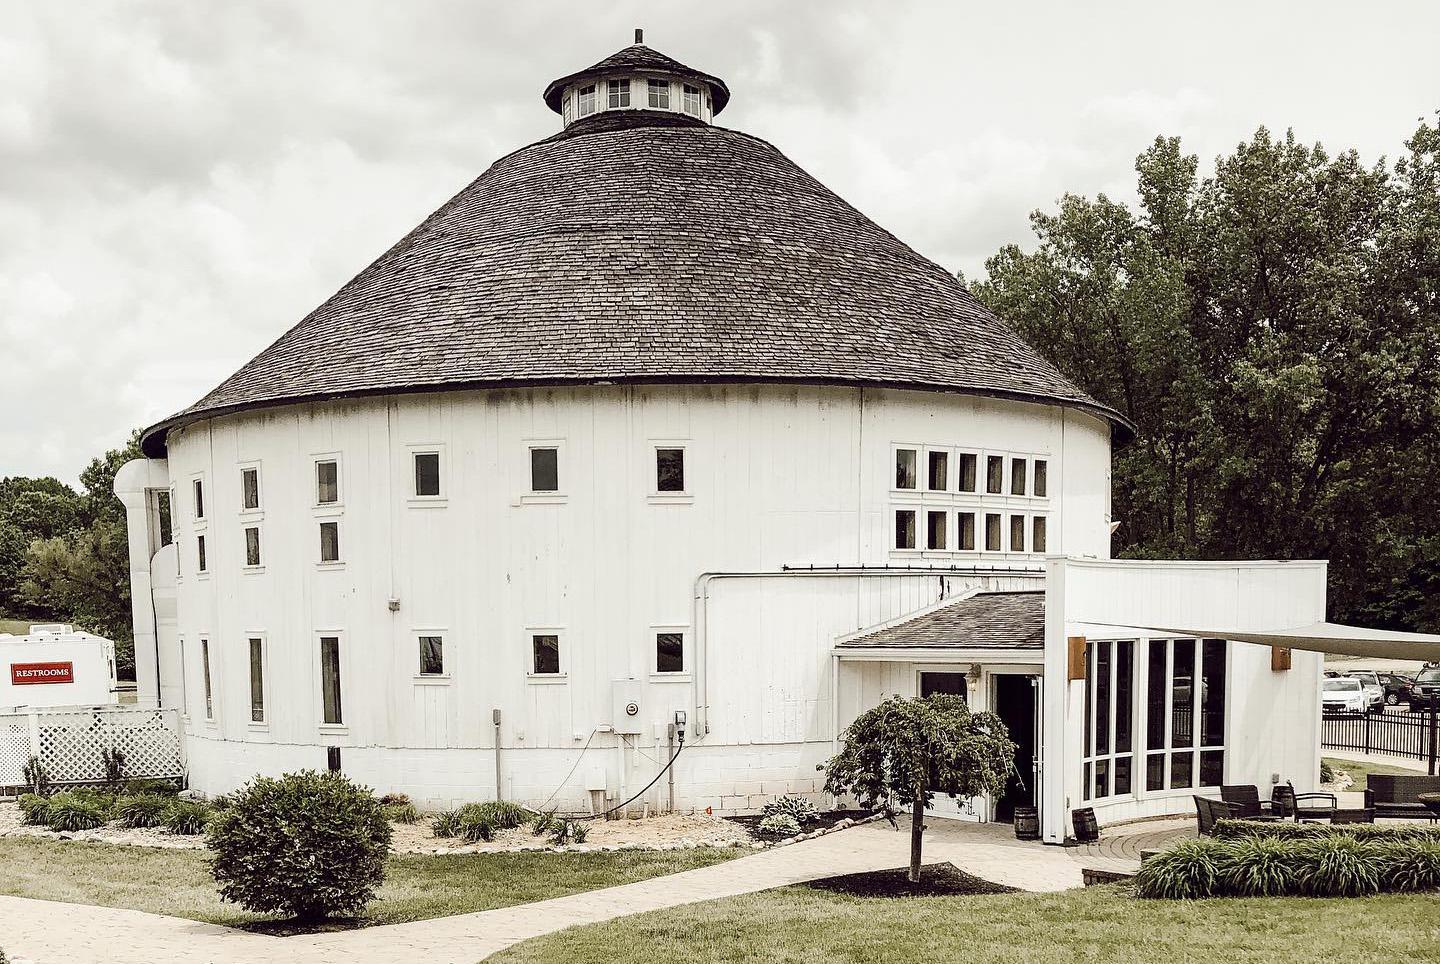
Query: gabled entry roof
x=984, y=620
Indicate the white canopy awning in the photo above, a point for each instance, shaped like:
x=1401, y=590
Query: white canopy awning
x=1321, y=638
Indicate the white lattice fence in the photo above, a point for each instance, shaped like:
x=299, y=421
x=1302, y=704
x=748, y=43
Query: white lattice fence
x=72, y=743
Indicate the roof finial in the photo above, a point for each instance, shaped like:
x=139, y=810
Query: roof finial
x=639, y=35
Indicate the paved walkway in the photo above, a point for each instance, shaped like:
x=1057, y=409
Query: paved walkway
x=45, y=932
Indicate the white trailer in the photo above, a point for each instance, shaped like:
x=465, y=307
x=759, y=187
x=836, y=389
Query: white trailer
x=56, y=665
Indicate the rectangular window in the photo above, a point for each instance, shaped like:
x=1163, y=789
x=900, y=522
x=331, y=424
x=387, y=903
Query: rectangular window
x=250, y=488
x=544, y=470
x=904, y=468
x=1037, y=537
x=329, y=542
x=965, y=531
x=164, y=517
x=994, y=474
x=1042, y=472
x=252, y=546
x=936, y=528
x=992, y=532
x=1212, y=693
x=937, y=477
x=617, y=93
x=427, y=474
x=199, y=488
x=1109, y=715
x=669, y=470
x=545, y=654
x=257, y=680
x=669, y=652
x=586, y=102
x=205, y=670
x=1018, y=476
x=1184, y=725
x=330, y=680
x=1182, y=703
x=432, y=656
x=200, y=562
x=692, y=100
x=1017, y=533
x=966, y=472
x=327, y=482
x=659, y=92
x=904, y=528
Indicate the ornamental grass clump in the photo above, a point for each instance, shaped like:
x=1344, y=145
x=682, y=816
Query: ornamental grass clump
x=188, y=818
x=75, y=811
x=1410, y=865
x=143, y=811
x=446, y=824
x=1237, y=829
x=504, y=815
x=308, y=845
x=472, y=823
x=1338, y=866
x=1188, y=870
x=34, y=810
x=1257, y=867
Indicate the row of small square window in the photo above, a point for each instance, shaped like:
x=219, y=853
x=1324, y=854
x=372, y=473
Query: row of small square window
x=956, y=470
x=544, y=477
x=586, y=99
x=544, y=661
x=950, y=531
x=329, y=546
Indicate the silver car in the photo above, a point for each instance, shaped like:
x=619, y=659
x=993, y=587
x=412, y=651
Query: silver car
x=1342, y=694
x=1374, y=689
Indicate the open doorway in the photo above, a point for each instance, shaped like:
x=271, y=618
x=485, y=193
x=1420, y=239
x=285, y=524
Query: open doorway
x=1016, y=702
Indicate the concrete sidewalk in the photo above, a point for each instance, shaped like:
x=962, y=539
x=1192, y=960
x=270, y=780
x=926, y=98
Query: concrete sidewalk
x=45, y=932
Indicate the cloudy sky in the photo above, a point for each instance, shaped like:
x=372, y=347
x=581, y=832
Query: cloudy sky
x=180, y=182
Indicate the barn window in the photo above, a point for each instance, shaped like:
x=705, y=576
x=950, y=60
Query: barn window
x=936, y=529
x=965, y=472
x=205, y=671
x=331, y=709
x=1042, y=470
x=327, y=482
x=659, y=93
x=992, y=532
x=257, y=679
x=692, y=100
x=427, y=474
x=617, y=93
x=544, y=469
x=937, y=471
x=669, y=652
x=252, y=546
x=670, y=470
x=1037, y=534
x=1018, y=476
x=432, y=656
x=250, y=488
x=1017, y=533
x=904, y=528
x=995, y=474
x=965, y=531
x=329, y=542
x=905, y=468
x=586, y=103
x=198, y=487
x=545, y=654
x=200, y=562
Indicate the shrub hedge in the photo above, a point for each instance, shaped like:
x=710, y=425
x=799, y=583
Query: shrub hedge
x=1236, y=829
x=1325, y=865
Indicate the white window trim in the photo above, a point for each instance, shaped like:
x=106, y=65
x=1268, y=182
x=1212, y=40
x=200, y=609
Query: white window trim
x=923, y=471
x=894, y=467
x=240, y=469
x=1007, y=531
x=430, y=679
x=686, y=495
x=1049, y=549
x=209, y=551
x=1049, y=482
x=685, y=675
x=264, y=679
x=197, y=522
x=669, y=88
x=531, y=497
x=210, y=705
x=895, y=511
x=529, y=652
x=979, y=456
x=245, y=566
x=982, y=475
x=923, y=533
x=321, y=563
x=319, y=690
x=426, y=501
x=1139, y=779
x=978, y=515
x=982, y=536
x=339, y=504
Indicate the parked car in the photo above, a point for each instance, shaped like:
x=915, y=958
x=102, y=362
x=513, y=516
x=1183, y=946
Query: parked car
x=1427, y=684
x=1374, y=689
x=1343, y=694
x=1397, y=687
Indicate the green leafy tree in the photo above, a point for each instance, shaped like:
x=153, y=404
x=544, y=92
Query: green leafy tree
x=1272, y=330
x=907, y=750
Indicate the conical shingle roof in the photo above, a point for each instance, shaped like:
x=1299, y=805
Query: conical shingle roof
x=643, y=247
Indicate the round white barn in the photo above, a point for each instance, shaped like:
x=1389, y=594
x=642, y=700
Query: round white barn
x=644, y=426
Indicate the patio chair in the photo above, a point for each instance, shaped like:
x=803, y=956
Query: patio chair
x=1245, y=798
x=1315, y=806
x=1207, y=811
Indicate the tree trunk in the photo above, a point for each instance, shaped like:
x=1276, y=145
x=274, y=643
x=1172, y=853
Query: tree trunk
x=917, y=828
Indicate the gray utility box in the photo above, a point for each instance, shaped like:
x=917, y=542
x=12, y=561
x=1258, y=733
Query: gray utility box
x=626, y=716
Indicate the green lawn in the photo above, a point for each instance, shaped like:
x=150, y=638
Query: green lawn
x=1098, y=924
x=1360, y=772
x=417, y=887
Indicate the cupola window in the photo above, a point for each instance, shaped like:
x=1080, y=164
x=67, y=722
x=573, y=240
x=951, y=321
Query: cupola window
x=618, y=93
x=659, y=92
x=691, y=104
x=586, y=100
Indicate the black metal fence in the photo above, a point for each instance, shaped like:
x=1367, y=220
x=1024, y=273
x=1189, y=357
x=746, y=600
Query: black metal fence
x=1397, y=734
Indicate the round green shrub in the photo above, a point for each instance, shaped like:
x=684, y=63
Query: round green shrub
x=779, y=825
x=309, y=845
x=34, y=810
x=143, y=810
x=188, y=818
x=71, y=812
x=800, y=808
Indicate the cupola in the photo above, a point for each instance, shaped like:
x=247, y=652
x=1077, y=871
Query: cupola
x=637, y=78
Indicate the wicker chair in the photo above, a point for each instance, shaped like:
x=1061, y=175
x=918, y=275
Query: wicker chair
x=1207, y=811
x=1245, y=798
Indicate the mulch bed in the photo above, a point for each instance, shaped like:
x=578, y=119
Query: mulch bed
x=936, y=880
x=826, y=821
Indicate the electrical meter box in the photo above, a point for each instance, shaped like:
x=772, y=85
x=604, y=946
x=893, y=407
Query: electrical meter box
x=626, y=717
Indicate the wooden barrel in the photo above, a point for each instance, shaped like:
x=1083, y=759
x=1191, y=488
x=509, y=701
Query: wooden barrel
x=1027, y=823
x=1087, y=829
